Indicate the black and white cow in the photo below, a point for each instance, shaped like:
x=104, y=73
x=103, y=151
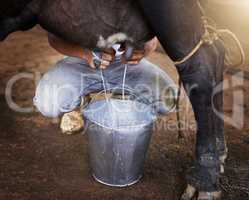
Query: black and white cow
x=178, y=25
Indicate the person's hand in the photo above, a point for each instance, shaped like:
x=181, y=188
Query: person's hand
x=104, y=61
x=75, y=50
x=138, y=55
x=107, y=56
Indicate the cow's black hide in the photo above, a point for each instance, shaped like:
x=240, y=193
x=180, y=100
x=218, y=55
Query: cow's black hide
x=84, y=22
x=12, y=7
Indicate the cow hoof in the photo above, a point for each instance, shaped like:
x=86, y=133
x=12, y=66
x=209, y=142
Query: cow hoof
x=222, y=161
x=222, y=169
x=191, y=193
x=209, y=196
x=223, y=158
x=72, y=123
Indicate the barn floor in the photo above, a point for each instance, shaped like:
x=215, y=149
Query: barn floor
x=38, y=162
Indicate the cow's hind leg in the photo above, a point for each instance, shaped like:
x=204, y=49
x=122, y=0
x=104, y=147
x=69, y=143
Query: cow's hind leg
x=218, y=106
x=201, y=77
x=25, y=21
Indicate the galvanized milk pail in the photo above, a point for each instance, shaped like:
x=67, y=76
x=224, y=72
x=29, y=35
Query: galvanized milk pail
x=119, y=133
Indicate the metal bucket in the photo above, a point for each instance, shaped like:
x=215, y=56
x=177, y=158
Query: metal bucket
x=119, y=134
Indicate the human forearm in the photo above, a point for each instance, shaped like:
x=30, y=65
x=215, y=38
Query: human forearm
x=66, y=48
x=107, y=55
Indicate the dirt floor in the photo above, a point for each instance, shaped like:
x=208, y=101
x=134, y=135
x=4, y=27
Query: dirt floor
x=38, y=162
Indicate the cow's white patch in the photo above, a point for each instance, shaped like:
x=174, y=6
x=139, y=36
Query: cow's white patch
x=113, y=39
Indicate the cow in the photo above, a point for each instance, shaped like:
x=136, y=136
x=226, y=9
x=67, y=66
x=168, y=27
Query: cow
x=178, y=25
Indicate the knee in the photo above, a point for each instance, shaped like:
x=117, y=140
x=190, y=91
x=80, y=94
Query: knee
x=157, y=86
x=155, y=79
x=52, y=97
x=45, y=100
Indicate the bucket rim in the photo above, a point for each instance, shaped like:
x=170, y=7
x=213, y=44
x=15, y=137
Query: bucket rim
x=154, y=118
